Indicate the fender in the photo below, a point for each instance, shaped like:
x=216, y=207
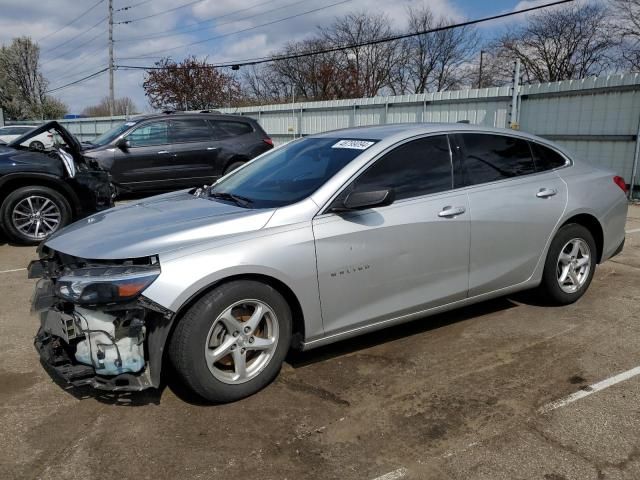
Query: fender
x=45, y=179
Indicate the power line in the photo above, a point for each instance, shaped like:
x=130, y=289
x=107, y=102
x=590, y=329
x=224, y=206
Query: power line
x=76, y=48
x=193, y=2
x=77, y=36
x=72, y=21
x=275, y=58
x=186, y=29
x=129, y=7
x=75, y=82
x=246, y=29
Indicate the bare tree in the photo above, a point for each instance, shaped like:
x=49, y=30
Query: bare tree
x=434, y=61
x=626, y=15
x=572, y=42
x=190, y=85
x=22, y=85
x=121, y=106
x=368, y=67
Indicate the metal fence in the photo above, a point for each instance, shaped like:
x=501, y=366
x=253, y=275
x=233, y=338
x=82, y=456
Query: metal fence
x=596, y=118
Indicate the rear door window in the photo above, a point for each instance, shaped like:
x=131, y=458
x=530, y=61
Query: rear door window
x=228, y=129
x=488, y=158
x=189, y=130
x=416, y=168
x=546, y=158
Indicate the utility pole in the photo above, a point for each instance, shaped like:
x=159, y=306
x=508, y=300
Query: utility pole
x=515, y=96
x=111, y=96
x=480, y=70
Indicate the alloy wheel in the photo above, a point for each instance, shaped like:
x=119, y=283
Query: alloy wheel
x=574, y=265
x=36, y=217
x=241, y=341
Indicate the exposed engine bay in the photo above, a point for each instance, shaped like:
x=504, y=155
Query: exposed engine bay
x=95, y=326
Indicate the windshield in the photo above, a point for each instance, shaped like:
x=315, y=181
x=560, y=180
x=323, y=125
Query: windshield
x=290, y=173
x=112, y=134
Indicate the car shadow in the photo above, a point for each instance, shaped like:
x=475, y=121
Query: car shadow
x=298, y=359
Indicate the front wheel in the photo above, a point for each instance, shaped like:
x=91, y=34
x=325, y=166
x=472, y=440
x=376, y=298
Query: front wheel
x=570, y=265
x=31, y=214
x=231, y=343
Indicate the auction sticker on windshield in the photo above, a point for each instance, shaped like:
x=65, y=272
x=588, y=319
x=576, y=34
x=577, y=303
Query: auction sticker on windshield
x=353, y=144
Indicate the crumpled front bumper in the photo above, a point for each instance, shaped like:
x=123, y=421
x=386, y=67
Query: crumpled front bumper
x=56, y=357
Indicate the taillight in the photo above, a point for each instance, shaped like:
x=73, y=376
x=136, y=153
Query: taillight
x=620, y=182
x=49, y=135
x=268, y=141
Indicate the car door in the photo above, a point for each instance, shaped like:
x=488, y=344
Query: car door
x=143, y=163
x=513, y=209
x=381, y=263
x=195, y=151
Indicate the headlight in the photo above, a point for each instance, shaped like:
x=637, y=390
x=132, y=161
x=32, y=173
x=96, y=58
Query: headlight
x=94, y=285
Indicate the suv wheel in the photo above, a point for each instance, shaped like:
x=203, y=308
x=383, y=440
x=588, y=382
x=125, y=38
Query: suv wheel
x=31, y=214
x=231, y=343
x=233, y=166
x=570, y=265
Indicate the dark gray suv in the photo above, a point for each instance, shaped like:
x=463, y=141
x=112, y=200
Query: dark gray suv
x=170, y=151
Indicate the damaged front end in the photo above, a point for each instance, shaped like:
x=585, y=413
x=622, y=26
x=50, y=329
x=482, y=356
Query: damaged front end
x=96, y=327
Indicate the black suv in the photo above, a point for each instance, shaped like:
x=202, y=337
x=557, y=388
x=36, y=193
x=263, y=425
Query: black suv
x=174, y=150
x=42, y=191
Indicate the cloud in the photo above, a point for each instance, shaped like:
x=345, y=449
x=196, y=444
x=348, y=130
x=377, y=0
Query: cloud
x=73, y=60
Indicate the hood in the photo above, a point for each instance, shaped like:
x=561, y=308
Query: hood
x=20, y=160
x=155, y=225
x=69, y=139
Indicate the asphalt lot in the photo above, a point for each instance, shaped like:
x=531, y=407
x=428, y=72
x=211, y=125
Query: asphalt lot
x=461, y=395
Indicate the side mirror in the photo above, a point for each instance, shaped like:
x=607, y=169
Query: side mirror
x=360, y=200
x=123, y=144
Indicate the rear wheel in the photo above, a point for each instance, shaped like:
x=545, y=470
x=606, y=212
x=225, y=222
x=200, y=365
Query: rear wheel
x=36, y=145
x=31, y=214
x=570, y=265
x=231, y=343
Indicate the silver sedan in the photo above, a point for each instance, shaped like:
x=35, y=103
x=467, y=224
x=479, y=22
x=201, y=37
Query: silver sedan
x=325, y=238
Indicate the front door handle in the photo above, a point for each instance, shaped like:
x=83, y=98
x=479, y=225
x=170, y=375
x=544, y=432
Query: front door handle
x=546, y=193
x=163, y=152
x=212, y=148
x=448, y=211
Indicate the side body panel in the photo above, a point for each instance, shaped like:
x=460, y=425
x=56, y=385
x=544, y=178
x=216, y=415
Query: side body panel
x=510, y=228
x=384, y=262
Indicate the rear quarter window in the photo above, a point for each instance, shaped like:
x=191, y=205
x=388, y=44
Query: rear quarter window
x=227, y=128
x=546, y=158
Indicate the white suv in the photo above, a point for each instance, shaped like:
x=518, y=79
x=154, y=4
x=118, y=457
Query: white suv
x=41, y=142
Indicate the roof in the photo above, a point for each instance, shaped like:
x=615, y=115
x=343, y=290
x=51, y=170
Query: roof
x=381, y=132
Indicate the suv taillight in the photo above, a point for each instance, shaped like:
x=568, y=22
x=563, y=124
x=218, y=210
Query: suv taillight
x=268, y=141
x=620, y=182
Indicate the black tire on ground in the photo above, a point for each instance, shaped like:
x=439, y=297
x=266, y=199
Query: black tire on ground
x=187, y=344
x=550, y=288
x=36, y=145
x=233, y=166
x=22, y=193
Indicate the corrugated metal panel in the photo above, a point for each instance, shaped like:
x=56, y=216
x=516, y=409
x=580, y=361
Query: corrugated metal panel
x=598, y=116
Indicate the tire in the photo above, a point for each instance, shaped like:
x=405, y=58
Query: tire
x=204, y=349
x=16, y=206
x=575, y=243
x=36, y=145
x=233, y=166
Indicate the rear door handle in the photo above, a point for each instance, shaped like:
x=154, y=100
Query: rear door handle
x=163, y=152
x=212, y=148
x=546, y=193
x=448, y=212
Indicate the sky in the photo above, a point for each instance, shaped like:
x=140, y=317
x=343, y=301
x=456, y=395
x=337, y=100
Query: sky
x=221, y=30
